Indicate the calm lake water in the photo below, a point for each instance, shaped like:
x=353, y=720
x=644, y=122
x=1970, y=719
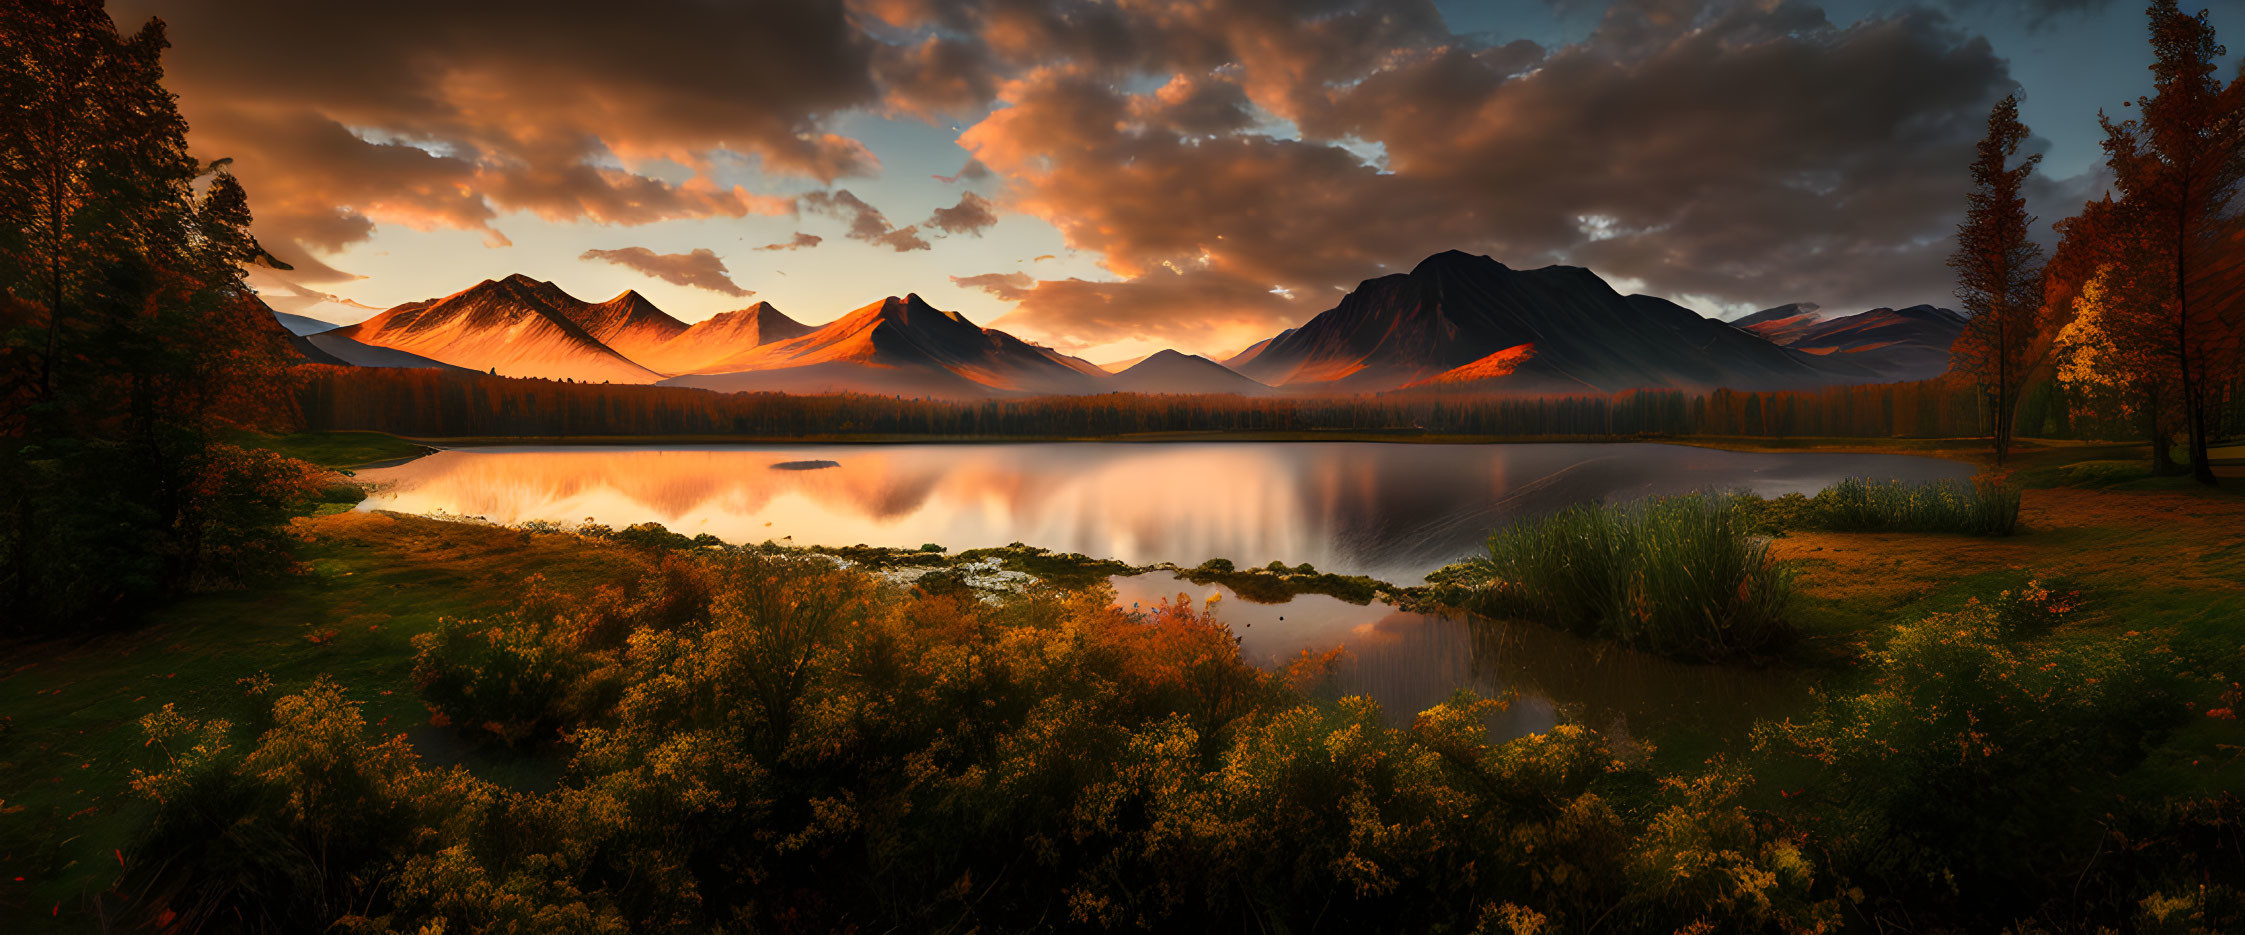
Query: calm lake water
x=1410, y=662
x=1393, y=511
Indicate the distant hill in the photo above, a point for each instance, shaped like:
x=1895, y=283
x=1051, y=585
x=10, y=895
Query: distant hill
x=518, y=327
x=705, y=345
x=899, y=346
x=1172, y=372
x=1783, y=323
x=302, y=325
x=327, y=347
x=356, y=354
x=1895, y=344
x=1455, y=310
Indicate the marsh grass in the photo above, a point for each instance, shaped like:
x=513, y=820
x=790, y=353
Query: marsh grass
x=1680, y=576
x=1981, y=506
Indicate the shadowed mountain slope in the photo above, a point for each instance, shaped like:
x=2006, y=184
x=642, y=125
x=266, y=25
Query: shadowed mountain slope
x=705, y=345
x=1897, y=344
x=1172, y=372
x=1455, y=309
x=899, y=347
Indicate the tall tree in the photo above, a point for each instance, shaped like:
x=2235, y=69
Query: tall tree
x=2106, y=294
x=1999, y=271
x=2178, y=166
x=128, y=341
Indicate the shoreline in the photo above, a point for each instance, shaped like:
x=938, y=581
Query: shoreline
x=1973, y=450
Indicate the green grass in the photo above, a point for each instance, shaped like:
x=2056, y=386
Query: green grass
x=1679, y=576
x=71, y=737
x=334, y=449
x=1981, y=506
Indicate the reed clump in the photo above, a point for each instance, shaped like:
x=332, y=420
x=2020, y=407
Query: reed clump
x=1981, y=506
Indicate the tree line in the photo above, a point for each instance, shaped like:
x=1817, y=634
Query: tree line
x=446, y=404
x=2136, y=316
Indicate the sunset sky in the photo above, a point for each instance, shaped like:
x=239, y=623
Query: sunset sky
x=1113, y=177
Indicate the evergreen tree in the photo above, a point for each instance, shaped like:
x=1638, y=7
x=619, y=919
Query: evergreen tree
x=1999, y=272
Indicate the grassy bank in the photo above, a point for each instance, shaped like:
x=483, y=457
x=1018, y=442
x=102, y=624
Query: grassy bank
x=346, y=448
x=69, y=710
x=335, y=449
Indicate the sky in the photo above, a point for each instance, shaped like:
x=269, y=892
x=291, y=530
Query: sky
x=1111, y=177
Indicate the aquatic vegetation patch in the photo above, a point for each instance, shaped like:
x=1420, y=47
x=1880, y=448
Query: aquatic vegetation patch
x=1681, y=576
x=1981, y=506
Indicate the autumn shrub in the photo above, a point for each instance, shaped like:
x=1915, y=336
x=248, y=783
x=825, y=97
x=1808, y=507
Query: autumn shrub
x=651, y=535
x=1974, y=756
x=1681, y=576
x=1707, y=862
x=1321, y=815
x=290, y=829
x=553, y=661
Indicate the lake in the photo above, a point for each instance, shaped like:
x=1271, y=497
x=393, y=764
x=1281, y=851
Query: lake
x=1393, y=511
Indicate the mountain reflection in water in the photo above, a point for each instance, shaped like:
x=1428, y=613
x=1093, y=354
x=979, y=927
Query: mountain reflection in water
x=1394, y=511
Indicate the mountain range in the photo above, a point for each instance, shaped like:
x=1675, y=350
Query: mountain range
x=1456, y=321
x=1895, y=344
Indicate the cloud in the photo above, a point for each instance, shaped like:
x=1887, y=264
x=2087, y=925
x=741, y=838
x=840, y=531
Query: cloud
x=972, y=215
x=700, y=269
x=1011, y=287
x=431, y=114
x=1195, y=309
x=799, y=241
x=866, y=222
x=936, y=77
x=1230, y=164
x=1749, y=152
x=973, y=171
x=903, y=240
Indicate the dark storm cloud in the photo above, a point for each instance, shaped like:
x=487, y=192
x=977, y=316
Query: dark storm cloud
x=866, y=222
x=1732, y=153
x=510, y=105
x=700, y=269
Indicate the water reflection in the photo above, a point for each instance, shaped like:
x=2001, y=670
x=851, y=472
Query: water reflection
x=1410, y=662
x=1394, y=511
